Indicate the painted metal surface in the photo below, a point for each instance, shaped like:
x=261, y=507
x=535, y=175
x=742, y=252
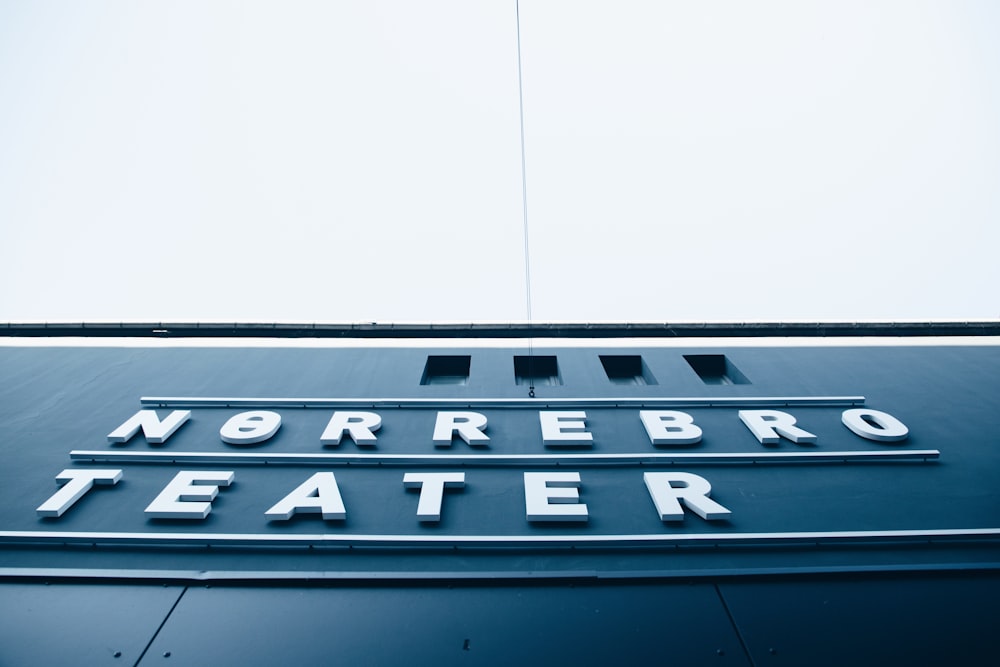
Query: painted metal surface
x=466, y=625
x=793, y=505
x=80, y=624
x=846, y=550
x=936, y=620
x=925, y=619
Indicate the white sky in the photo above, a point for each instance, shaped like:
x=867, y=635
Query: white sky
x=360, y=161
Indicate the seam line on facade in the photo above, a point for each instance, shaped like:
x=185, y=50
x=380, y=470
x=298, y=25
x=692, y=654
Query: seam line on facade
x=735, y=626
x=160, y=627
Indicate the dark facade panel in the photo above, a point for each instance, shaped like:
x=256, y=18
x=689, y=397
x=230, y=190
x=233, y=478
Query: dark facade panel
x=80, y=624
x=925, y=620
x=464, y=625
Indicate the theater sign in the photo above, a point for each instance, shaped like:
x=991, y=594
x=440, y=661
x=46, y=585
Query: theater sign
x=665, y=475
x=552, y=495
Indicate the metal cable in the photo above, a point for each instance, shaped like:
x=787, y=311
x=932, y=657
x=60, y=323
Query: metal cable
x=524, y=203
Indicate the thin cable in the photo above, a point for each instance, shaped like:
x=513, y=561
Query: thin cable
x=524, y=203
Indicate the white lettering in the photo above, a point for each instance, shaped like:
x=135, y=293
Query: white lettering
x=432, y=486
x=154, y=430
x=875, y=425
x=77, y=483
x=360, y=426
x=248, y=428
x=769, y=426
x=553, y=496
x=670, y=427
x=189, y=494
x=468, y=425
x=565, y=428
x=317, y=495
x=669, y=489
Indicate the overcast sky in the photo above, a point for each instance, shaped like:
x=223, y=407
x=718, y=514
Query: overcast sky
x=361, y=161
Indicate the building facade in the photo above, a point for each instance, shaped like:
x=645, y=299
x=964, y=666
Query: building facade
x=548, y=494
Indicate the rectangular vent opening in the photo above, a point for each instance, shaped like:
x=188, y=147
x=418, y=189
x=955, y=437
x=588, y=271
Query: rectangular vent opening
x=626, y=369
x=541, y=371
x=715, y=369
x=446, y=370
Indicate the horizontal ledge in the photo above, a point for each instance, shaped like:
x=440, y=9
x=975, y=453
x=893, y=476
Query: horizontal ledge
x=702, y=539
x=476, y=576
x=497, y=460
x=389, y=330
x=535, y=403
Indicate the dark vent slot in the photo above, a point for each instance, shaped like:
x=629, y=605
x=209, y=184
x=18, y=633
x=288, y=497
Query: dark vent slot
x=539, y=371
x=715, y=369
x=446, y=370
x=627, y=369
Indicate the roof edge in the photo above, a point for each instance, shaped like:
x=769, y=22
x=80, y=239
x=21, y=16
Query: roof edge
x=498, y=330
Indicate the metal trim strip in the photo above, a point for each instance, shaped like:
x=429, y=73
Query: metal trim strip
x=454, y=541
x=497, y=460
x=292, y=330
x=534, y=403
x=481, y=576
